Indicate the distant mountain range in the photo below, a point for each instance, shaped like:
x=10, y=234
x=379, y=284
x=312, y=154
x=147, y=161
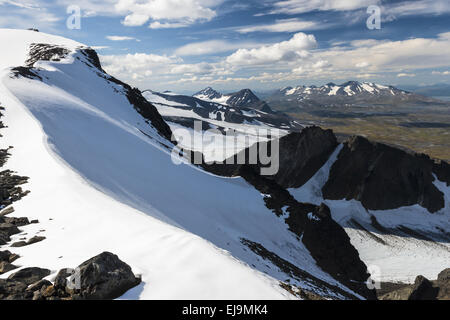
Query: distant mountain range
x=349, y=94
x=435, y=90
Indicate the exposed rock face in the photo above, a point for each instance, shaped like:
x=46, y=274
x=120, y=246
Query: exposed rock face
x=45, y=52
x=442, y=171
x=146, y=109
x=423, y=289
x=382, y=177
x=326, y=240
x=296, y=273
x=302, y=154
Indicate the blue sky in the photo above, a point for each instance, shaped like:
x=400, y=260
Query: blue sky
x=185, y=45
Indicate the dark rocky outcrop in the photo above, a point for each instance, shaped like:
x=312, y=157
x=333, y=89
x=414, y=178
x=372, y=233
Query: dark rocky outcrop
x=10, y=187
x=31, y=241
x=382, y=177
x=45, y=52
x=5, y=255
x=296, y=273
x=6, y=231
x=325, y=239
x=422, y=289
x=301, y=155
x=442, y=171
x=144, y=108
x=19, y=222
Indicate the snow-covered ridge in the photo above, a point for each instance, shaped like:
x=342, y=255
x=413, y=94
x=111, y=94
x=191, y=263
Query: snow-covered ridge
x=102, y=179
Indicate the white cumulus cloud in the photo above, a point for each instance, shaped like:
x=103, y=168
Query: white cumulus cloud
x=291, y=50
x=180, y=12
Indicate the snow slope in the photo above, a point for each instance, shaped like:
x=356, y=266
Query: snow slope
x=100, y=179
x=396, y=256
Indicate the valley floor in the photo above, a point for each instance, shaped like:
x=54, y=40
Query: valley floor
x=421, y=130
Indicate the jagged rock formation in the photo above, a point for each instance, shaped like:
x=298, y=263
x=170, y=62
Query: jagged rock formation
x=326, y=240
x=301, y=154
x=383, y=177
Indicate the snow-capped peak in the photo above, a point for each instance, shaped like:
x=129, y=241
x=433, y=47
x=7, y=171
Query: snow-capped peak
x=208, y=94
x=350, y=88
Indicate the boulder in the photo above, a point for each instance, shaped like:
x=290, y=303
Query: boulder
x=6, y=267
x=9, y=229
x=19, y=244
x=6, y=211
x=4, y=256
x=19, y=222
x=29, y=275
x=444, y=276
x=6, y=231
x=35, y=239
x=423, y=290
x=37, y=286
x=105, y=277
x=60, y=281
